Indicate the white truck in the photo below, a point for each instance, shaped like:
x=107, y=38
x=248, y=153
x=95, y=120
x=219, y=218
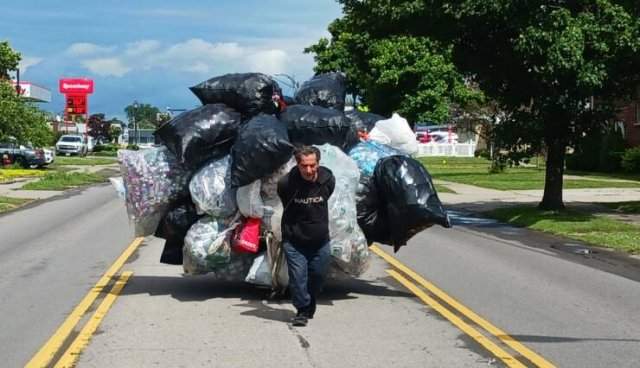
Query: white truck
x=72, y=145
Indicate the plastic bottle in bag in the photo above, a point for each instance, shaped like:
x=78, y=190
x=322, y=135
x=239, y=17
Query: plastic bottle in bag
x=153, y=179
x=349, y=248
x=211, y=191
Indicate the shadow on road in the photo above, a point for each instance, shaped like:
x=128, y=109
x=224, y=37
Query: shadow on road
x=206, y=287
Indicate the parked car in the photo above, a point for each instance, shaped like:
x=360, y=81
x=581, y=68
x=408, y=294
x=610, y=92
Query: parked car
x=72, y=145
x=444, y=137
x=49, y=156
x=436, y=135
x=23, y=155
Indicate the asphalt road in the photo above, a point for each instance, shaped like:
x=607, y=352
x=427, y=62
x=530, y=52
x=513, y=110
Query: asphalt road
x=573, y=309
x=50, y=256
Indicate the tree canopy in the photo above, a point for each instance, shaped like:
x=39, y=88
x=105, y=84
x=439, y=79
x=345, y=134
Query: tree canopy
x=556, y=69
x=19, y=119
x=145, y=116
x=404, y=73
x=9, y=59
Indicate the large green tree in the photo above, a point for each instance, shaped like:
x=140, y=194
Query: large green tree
x=9, y=59
x=404, y=73
x=19, y=119
x=145, y=115
x=555, y=68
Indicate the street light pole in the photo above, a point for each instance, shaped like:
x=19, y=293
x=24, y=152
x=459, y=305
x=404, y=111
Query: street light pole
x=136, y=133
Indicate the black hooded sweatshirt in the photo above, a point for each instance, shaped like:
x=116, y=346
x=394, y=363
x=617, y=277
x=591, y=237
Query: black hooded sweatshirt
x=305, y=219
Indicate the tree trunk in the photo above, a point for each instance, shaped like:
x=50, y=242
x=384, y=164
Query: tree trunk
x=552, y=198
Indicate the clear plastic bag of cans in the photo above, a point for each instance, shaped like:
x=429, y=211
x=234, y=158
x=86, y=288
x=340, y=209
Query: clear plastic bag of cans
x=211, y=190
x=153, y=178
x=349, y=247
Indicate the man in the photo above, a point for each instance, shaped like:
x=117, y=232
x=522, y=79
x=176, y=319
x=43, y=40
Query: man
x=304, y=192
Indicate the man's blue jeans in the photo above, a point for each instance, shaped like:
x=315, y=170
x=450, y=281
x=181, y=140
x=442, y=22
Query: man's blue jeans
x=307, y=272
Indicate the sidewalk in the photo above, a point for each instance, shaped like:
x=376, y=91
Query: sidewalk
x=13, y=190
x=469, y=198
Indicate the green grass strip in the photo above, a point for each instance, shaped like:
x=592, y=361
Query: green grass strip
x=63, y=180
x=11, y=174
x=625, y=207
x=8, y=203
x=474, y=171
x=443, y=189
x=62, y=160
x=593, y=229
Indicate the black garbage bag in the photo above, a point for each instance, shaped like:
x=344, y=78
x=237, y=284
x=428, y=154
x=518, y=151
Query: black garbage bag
x=326, y=90
x=318, y=125
x=173, y=227
x=248, y=93
x=410, y=201
x=363, y=121
x=261, y=148
x=202, y=134
x=372, y=217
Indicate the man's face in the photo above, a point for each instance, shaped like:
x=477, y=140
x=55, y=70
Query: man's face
x=308, y=166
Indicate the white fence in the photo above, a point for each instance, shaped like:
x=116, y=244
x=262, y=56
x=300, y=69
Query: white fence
x=446, y=149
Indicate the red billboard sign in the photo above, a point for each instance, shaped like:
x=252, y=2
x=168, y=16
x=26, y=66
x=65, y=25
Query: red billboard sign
x=77, y=86
x=76, y=105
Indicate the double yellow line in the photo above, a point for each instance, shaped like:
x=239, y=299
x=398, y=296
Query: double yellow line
x=459, y=322
x=46, y=354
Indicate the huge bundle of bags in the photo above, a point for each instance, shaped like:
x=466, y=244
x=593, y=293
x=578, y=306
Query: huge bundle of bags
x=210, y=188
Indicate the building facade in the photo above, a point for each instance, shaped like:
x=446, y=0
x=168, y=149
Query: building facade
x=629, y=115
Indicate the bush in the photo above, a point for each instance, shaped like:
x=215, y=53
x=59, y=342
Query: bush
x=631, y=160
x=105, y=153
x=106, y=148
x=484, y=153
x=133, y=147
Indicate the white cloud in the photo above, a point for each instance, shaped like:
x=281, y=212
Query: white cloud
x=142, y=47
x=107, y=67
x=28, y=61
x=268, y=61
x=203, y=58
x=87, y=49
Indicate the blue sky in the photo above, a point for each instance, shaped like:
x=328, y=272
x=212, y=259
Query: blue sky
x=152, y=51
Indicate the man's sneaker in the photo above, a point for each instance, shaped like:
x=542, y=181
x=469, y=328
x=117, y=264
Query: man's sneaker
x=299, y=321
x=311, y=309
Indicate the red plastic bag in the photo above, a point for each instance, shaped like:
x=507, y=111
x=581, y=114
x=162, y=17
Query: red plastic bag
x=247, y=236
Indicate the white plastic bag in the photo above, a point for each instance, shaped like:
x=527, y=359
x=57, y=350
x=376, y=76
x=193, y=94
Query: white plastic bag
x=260, y=271
x=349, y=247
x=377, y=135
x=398, y=133
x=272, y=219
x=118, y=185
x=211, y=190
x=249, y=200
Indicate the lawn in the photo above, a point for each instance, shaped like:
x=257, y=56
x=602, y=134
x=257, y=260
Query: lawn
x=625, y=207
x=89, y=160
x=11, y=174
x=64, y=180
x=443, y=189
x=474, y=171
x=7, y=204
x=596, y=230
